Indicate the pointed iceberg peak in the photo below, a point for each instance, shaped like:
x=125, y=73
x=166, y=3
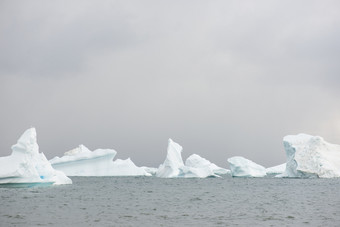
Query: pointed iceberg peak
x=27, y=165
x=175, y=145
x=174, y=153
x=27, y=143
x=173, y=165
x=173, y=161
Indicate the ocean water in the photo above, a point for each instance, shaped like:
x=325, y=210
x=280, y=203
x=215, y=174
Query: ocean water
x=151, y=201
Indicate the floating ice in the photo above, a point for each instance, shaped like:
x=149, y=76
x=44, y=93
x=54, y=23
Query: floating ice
x=191, y=172
x=27, y=166
x=173, y=165
x=311, y=156
x=242, y=167
x=197, y=161
x=127, y=168
x=150, y=170
x=83, y=162
x=279, y=169
x=173, y=162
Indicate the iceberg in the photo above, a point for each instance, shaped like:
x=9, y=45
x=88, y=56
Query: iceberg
x=26, y=165
x=127, y=168
x=173, y=165
x=83, y=162
x=242, y=167
x=150, y=170
x=275, y=170
x=311, y=156
x=197, y=161
x=190, y=172
x=173, y=162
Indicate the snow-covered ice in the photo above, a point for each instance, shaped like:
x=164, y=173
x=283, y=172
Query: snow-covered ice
x=242, y=167
x=26, y=165
x=173, y=165
x=83, y=162
x=197, y=161
x=311, y=156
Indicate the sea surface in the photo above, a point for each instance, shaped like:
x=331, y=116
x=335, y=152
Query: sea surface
x=151, y=201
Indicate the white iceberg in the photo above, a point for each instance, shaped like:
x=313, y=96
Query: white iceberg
x=83, y=162
x=173, y=162
x=191, y=172
x=242, y=167
x=173, y=165
x=27, y=166
x=150, y=170
x=127, y=168
x=197, y=161
x=311, y=156
x=275, y=170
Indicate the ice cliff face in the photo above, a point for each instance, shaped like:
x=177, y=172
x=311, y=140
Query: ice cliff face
x=311, y=156
x=83, y=162
x=27, y=165
x=173, y=165
x=242, y=167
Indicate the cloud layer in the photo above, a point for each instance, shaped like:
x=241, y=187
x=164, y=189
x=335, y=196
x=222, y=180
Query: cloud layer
x=222, y=78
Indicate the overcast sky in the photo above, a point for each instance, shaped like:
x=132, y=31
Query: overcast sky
x=221, y=78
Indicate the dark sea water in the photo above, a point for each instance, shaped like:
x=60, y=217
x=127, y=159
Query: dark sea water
x=150, y=201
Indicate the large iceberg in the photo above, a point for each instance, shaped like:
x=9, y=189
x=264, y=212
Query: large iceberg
x=26, y=165
x=173, y=165
x=83, y=162
x=311, y=156
x=197, y=161
x=242, y=167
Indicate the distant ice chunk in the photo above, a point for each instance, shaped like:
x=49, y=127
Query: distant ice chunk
x=275, y=170
x=150, y=170
x=127, y=168
x=197, y=161
x=27, y=166
x=242, y=167
x=191, y=172
x=311, y=156
x=173, y=165
x=83, y=162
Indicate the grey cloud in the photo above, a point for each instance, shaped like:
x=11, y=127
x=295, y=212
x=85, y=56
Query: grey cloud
x=221, y=78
